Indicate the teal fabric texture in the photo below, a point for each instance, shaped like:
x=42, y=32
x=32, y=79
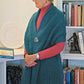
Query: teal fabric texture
x=51, y=31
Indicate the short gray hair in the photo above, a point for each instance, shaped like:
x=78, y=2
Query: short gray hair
x=50, y=0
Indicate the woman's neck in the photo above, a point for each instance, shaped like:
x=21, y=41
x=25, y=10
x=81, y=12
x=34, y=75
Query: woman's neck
x=45, y=6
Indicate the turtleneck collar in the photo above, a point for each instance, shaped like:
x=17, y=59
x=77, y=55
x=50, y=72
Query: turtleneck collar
x=41, y=14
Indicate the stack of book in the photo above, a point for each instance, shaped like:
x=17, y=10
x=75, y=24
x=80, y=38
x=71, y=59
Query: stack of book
x=74, y=14
x=6, y=53
x=74, y=76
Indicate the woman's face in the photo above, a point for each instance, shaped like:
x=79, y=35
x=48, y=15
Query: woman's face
x=40, y=3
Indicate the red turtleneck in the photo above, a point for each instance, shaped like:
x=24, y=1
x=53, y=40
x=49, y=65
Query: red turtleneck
x=52, y=51
x=42, y=13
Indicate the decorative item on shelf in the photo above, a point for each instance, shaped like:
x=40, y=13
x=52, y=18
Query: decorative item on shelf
x=6, y=53
x=73, y=44
x=12, y=35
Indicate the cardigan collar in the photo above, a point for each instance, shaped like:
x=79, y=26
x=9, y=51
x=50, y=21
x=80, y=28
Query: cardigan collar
x=37, y=14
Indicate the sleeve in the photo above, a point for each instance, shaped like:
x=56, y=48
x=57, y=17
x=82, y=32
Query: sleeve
x=52, y=51
x=25, y=52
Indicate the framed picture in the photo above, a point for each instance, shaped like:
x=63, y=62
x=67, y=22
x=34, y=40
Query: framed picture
x=6, y=53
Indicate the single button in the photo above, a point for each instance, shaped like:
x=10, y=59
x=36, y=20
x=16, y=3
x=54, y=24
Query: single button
x=35, y=39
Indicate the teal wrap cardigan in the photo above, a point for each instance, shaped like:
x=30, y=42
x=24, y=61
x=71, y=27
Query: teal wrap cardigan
x=51, y=31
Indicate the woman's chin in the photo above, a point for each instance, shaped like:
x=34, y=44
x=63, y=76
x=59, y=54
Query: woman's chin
x=37, y=6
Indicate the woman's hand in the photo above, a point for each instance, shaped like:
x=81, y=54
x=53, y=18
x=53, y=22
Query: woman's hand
x=30, y=60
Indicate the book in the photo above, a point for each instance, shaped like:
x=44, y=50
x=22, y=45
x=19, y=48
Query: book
x=67, y=14
x=82, y=15
x=6, y=53
x=72, y=16
x=77, y=75
x=79, y=15
x=75, y=15
x=65, y=71
x=68, y=76
x=83, y=39
x=72, y=76
x=70, y=4
x=80, y=42
x=81, y=76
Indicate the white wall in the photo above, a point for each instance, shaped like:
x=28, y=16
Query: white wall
x=16, y=11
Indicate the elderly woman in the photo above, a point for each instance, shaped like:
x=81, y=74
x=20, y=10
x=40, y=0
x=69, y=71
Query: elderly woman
x=44, y=40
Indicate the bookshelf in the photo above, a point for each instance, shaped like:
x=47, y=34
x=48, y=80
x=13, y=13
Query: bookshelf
x=69, y=32
x=71, y=60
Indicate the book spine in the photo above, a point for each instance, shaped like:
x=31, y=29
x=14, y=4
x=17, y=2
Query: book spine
x=67, y=15
x=72, y=16
x=76, y=76
x=68, y=78
x=79, y=15
x=80, y=41
x=70, y=13
x=64, y=76
x=82, y=15
x=72, y=77
x=81, y=79
x=83, y=39
x=75, y=15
